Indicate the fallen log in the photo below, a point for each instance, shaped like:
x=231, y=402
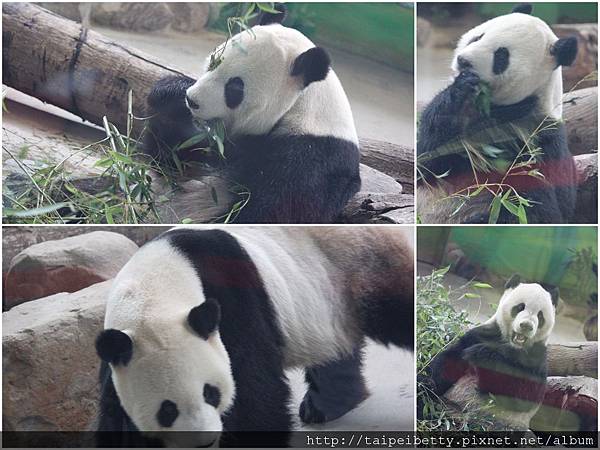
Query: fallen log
x=580, y=112
x=570, y=403
x=573, y=359
x=586, y=208
x=79, y=70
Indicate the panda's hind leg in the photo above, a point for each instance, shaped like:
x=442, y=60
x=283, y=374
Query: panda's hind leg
x=333, y=389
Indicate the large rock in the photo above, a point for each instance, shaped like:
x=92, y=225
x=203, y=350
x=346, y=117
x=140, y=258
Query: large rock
x=65, y=265
x=49, y=365
x=132, y=16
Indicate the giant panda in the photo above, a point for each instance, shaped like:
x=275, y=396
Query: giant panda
x=202, y=322
x=519, y=59
x=504, y=358
x=290, y=134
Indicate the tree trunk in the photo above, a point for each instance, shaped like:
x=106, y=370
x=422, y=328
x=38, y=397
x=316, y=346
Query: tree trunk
x=580, y=112
x=573, y=359
x=62, y=63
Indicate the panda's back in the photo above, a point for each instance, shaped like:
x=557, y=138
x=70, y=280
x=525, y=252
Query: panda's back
x=315, y=316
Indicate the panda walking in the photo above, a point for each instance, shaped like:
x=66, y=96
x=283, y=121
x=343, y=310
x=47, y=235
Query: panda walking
x=201, y=324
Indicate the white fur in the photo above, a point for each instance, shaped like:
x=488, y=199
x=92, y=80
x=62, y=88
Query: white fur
x=150, y=302
x=536, y=299
x=263, y=59
x=532, y=70
x=314, y=316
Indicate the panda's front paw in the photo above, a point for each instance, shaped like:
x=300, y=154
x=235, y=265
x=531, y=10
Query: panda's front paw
x=465, y=84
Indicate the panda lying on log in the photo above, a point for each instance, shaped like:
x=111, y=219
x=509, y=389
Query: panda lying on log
x=504, y=358
x=506, y=97
x=290, y=135
x=201, y=324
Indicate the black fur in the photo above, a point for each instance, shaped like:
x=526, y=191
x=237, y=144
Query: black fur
x=114, y=346
x=295, y=179
x=267, y=18
x=167, y=413
x=234, y=92
x=452, y=114
x=564, y=51
x=513, y=282
x=313, y=65
x=292, y=179
x=170, y=122
x=516, y=377
x=524, y=8
x=333, y=389
x=204, y=318
x=212, y=395
x=501, y=60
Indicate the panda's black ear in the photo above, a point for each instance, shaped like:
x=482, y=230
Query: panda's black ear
x=554, y=293
x=312, y=65
x=564, y=51
x=267, y=18
x=513, y=282
x=114, y=347
x=204, y=319
x=524, y=8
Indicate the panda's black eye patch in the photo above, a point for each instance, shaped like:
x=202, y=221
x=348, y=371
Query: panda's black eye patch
x=517, y=309
x=212, y=395
x=501, y=57
x=475, y=39
x=541, y=320
x=167, y=413
x=234, y=92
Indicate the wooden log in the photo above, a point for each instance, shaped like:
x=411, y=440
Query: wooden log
x=570, y=403
x=586, y=209
x=394, y=160
x=573, y=359
x=79, y=70
x=580, y=112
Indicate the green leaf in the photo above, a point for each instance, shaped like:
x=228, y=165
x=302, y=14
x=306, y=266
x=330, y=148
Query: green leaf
x=522, y=214
x=482, y=285
x=469, y=295
x=34, y=212
x=194, y=140
x=495, y=209
x=186, y=221
x=267, y=7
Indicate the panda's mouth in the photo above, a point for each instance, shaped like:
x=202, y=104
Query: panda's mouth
x=519, y=339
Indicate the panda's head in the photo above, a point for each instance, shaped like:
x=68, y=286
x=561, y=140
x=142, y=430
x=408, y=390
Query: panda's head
x=169, y=366
x=526, y=312
x=260, y=75
x=517, y=54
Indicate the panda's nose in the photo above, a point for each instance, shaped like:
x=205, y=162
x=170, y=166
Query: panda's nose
x=167, y=413
x=191, y=103
x=526, y=326
x=463, y=64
